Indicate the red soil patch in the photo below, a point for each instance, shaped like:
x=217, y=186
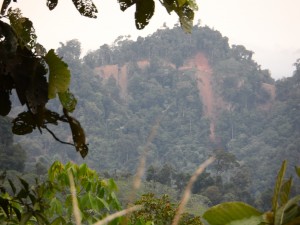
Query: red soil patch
x=204, y=77
x=143, y=64
x=271, y=89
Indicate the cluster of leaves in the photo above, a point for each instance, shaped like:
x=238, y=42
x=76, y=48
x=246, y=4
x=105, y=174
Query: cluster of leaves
x=160, y=211
x=24, y=66
x=50, y=202
x=145, y=10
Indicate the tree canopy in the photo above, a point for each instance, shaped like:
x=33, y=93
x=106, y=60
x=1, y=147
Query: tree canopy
x=38, y=75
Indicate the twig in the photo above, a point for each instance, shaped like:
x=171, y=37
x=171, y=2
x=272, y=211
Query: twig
x=56, y=138
x=187, y=191
x=118, y=214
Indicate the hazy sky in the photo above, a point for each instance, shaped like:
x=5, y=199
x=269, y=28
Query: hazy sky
x=270, y=28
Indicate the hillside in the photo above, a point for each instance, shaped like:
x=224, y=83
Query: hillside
x=208, y=97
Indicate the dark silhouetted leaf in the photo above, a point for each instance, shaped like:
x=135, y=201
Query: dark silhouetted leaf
x=22, y=194
x=5, y=103
x=4, y=204
x=37, y=90
x=144, y=12
x=67, y=100
x=4, y=7
x=23, y=28
x=77, y=134
x=17, y=212
x=86, y=8
x=52, y=4
x=24, y=183
x=125, y=4
x=51, y=117
x=23, y=124
x=13, y=188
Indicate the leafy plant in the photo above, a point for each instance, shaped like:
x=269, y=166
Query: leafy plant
x=285, y=210
x=50, y=202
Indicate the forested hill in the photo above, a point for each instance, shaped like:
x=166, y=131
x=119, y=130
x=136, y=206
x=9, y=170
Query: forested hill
x=196, y=94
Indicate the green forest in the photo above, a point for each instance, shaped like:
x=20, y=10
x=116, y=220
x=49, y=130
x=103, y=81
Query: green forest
x=173, y=99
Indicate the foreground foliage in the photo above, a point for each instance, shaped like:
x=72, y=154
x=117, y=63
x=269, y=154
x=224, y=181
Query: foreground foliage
x=50, y=202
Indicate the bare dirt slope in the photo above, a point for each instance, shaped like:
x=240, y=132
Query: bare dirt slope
x=204, y=79
x=118, y=73
x=203, y=75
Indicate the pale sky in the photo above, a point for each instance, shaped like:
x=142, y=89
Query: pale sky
x=270, y=28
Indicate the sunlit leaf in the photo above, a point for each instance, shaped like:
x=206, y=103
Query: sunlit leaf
x=52, y=4
x=186, y=17
x=287, y=212
x=25, y=217
x=144, y=12
x=285, y=191
x=67, y=100
x=86, y=8
x=181, y=2
x=59, y=77
x=232, y=212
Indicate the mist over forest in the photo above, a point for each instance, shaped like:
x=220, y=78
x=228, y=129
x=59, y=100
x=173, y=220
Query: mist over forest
x=194, y=96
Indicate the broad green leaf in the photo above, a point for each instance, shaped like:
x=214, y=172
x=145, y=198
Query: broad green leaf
x=103, y=202
x=112, y=185
x=288, y=211
x=86, y=8
x=278, y=185
x=229, y=212
x=285, y=191
x=25, y=217
x=23, y=27
x=67, y=100
x=297, y=170
x=186, y=17
x=58, y=221
x=59, y=77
